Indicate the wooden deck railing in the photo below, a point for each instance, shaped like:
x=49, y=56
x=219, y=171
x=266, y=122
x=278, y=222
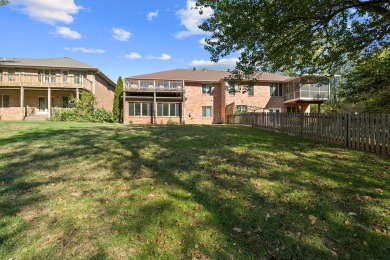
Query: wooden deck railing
x=39, y=80
x=368, y=132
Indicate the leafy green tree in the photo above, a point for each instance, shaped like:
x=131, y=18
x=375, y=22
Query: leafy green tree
x=305, y=36
x=368, y=83
x=117, y=109
x=4, y=2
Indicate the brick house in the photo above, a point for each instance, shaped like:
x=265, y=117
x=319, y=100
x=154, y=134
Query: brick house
x=205, y=96
x=31, y=88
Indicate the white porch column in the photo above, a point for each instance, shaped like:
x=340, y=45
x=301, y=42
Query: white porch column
x=49, y=101
x=124, y=105
x=154, y=108
x=22, y=102
x=77, y=94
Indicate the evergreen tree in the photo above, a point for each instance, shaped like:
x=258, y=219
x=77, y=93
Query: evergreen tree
x=117, y=109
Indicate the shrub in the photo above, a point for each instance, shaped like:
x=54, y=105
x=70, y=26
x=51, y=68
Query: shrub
x=82, y=110
x=103, y=116
x=171, y=122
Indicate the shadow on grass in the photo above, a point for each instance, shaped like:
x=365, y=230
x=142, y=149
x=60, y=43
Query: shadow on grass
x=204, y=191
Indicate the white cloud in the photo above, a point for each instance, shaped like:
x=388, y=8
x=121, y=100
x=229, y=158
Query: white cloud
x=85, y=50
x=152, y=15
x=48, y=11
x=222, y=64
x=133, y=55
x=191, y=19
x=162, y=57
x=120, y=34
x=67, y=33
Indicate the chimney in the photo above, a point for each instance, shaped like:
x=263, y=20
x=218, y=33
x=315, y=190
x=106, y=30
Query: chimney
x=193, y=68
x=228, y=70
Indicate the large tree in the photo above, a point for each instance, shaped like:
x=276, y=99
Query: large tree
x=4, y=2
x=117, y=107
x=368, y=83
x=298, y=36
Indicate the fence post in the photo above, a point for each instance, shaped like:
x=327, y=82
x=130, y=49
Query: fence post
x=347, y=130
x=301, y=130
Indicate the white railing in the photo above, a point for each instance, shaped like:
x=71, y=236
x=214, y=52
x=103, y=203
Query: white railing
x=163, y=85
x=40, y=80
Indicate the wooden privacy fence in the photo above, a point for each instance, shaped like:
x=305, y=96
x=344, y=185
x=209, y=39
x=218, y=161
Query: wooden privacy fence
x=368, y=132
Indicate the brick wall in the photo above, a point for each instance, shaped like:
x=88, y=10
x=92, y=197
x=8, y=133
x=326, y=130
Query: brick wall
x=195, y=100
x=104, y=94
x=13, y=112
x=261, y=98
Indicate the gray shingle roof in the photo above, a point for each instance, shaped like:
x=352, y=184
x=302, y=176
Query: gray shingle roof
x=200, y=75
x=49, y=63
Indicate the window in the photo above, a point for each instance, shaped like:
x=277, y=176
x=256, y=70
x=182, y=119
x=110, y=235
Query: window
x=274, y=110
x=250, y=90
x=78, y=77
x=4, y=101
x=206, y=89
x=166, y=85
x=65, y=76
x=207, y=111
x=1, y=75
x=144, y=84
x=11, y=75
x=276, y=90
x=65, y=102
x=176, y=85
x=168, y=109
x=241, y=108
x=232, y=90
x=47, y=75
x=292, y=109
x=139, y=109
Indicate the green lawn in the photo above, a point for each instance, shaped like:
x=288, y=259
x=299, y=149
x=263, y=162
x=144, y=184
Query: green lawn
x=73, y=190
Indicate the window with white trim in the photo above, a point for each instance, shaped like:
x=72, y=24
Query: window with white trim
x=11, y=75
x=276, y=90
x=251, y=90
x=65, y=76
x=168, y=109
x=139, y=109
x=207, y=111
x=232, y=90
x=206, y=89
x=241, y=108
x=274, y=110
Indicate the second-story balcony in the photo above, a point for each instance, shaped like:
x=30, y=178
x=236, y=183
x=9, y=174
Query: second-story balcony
x=309, y=89
x=154, y=85
x=41, y=80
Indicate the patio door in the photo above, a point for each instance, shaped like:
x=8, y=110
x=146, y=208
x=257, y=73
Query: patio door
x=41, y=104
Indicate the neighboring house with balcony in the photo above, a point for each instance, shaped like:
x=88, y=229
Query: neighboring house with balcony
x=31, y=88
x=205, y=96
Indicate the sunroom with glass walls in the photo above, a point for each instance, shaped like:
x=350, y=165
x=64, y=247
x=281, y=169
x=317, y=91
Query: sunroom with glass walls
x=150, y=112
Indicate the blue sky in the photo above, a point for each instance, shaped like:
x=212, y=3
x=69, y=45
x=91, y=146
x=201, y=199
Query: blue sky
x=121, y=38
